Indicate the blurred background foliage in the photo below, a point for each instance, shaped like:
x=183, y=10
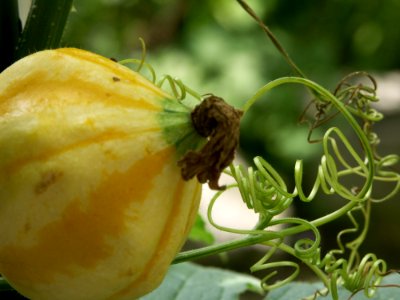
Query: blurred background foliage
x=215, y=47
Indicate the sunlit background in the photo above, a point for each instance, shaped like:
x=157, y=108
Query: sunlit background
x=215, y=47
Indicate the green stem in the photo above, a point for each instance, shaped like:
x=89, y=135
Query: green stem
x=320, y=221
x=259, y=238
x=223, y=247
x=44, y=26
x=272, y=37
x=321, y=275
x=354, y=245
x=10, y=28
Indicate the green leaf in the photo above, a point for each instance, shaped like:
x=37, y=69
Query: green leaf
x=199, y=233
x=300, y=290
x=44, y=26
x=294, y=290
x=387, y=290
x=190, y=281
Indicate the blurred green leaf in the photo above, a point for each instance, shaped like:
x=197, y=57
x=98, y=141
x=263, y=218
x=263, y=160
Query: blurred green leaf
x=300, y=290
x=199, y=233
x=189, y=281
x=294, y=291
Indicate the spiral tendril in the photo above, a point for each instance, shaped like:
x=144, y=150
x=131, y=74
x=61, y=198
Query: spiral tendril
x=178, y=88
x=265, y=192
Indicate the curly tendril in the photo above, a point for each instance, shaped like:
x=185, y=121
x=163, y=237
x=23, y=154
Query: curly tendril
x=265, y=192
x=356, y=98
x=178, y=88
x=263, y=265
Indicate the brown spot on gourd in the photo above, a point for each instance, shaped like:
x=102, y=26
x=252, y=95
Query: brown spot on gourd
x=116, y=79
x=46, y=180
x=82, y=236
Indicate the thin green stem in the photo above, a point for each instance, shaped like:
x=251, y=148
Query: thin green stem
x=44, y=26
x=224, y=247
x=321, y=275
x=354, y=245
x=320, y=221
x=272, y=37
x=259, y=238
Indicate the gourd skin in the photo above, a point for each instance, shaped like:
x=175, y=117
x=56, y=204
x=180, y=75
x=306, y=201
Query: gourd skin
x=92, y=204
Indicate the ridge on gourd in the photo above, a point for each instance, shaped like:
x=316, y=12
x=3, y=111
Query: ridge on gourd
x=92, y=202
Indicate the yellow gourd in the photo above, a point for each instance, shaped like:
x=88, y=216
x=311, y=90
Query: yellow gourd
x=92, y=202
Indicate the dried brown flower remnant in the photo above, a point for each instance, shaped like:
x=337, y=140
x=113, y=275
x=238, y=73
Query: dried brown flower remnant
x=219, y=122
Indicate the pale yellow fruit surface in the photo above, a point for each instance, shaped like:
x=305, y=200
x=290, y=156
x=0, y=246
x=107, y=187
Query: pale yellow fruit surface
x=92, y=204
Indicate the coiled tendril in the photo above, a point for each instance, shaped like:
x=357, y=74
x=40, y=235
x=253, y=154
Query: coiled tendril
x=178, y=88
x=265, y=192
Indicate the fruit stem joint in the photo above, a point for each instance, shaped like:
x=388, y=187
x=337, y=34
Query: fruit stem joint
x=219, y=122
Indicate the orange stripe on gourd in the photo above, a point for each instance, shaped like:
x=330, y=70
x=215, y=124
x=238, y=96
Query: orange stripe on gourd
x=30, y=94
x=79, y=238
x=106, y=136
x=158, y=264
x=17, y=164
